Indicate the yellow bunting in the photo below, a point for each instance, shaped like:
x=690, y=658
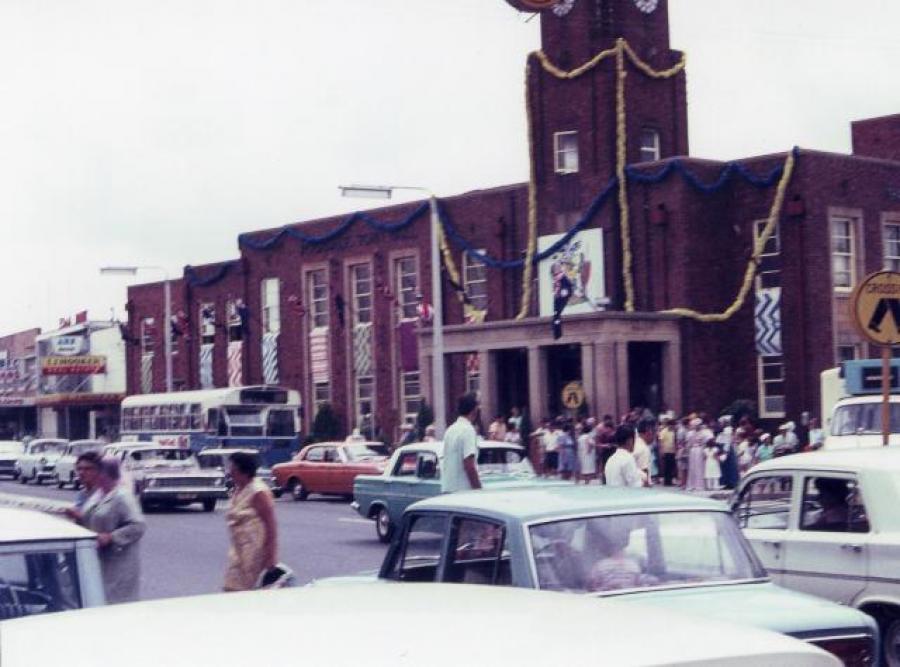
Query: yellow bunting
x=758, y=248
x=528, y=269
x=578, y=71
x=621, y=161
x=649, y=71
x=470, y=312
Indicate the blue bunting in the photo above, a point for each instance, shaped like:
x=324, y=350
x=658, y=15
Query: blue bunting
x=193, y=280
x=731, y=168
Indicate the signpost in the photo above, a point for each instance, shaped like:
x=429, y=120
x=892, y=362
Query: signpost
x=573, y=395
x=875, y=309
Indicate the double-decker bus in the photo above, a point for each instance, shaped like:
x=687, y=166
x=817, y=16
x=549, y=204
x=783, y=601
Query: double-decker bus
x=263, y=417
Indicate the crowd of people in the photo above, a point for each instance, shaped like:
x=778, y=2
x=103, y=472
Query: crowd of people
x=695, y=452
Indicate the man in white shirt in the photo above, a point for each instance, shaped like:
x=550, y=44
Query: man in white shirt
x=645, y=435
x=459, y=470
x=621, y=468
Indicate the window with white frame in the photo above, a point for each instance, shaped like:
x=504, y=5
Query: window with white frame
x=271, y=306
x=650, y=150
x=771, y=385
x=407, y=287
x=361, y=277
x=892, y=246
x=842, y=253
x=207, y=323
x=475, y=281
x=235, y=326
x=317, y=285
x=148, y=334
x=769, y=273
x=321, y=394
x=847, y=352
x=773, y=243
x=410, y=396
x=565, y=150
x=473, y=382
x=365, y=404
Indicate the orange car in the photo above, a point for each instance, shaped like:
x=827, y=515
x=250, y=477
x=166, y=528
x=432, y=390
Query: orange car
x=329, y=467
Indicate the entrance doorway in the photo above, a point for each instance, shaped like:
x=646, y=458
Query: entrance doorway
x=563, y=367
x=645, y=379
x=512, y=380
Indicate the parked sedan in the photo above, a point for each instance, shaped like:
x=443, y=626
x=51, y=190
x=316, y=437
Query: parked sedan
x=438, y=626
x=663, y=549
x=826, y=523
x=10, y=451
x=38, y=460
x=329, y=468
x=216, y=459
x=65, y=465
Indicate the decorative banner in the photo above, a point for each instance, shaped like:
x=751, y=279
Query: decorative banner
x=9, y=376
x=409, y=346
x=68, y=346
x=318, y=355
x=146, y=372
x=270, y=358
x=581, y=261
x=84, y=365
x=362, y=349
x=79, y=399
x=768, y=321
x=206, y=365
x=235, y=363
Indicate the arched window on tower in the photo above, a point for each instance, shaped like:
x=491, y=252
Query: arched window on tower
x=650, y=145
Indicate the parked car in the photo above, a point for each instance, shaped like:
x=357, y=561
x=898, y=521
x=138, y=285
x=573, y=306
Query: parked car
x=414, y=472
x=418, y=625
x=168, y=476
x=216, y=459
x=38, y=459
x=47, y=564
x=10, y=451
x=664, y=549
x=329, y=468
x=826, y=523
x=65, y=465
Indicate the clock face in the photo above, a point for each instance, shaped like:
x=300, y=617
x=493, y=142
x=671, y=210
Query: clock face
x=646, y=6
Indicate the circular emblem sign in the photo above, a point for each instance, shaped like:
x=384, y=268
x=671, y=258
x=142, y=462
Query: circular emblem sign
x=573, y=395
x=875, y=307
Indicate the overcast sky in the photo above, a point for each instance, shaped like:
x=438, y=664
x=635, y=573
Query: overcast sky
x=155, y=131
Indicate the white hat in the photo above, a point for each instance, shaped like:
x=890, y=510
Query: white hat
x=696, y=421
x=727, y=430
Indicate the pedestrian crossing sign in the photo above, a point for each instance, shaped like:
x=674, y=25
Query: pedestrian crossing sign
x=573, y=395
x=875, y=307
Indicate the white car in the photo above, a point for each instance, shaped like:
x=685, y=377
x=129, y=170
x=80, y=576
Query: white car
x=47, y=564
x=438, y=625
x=38, y=460
x=826, y=523
x=10, y=451
x=65, y=465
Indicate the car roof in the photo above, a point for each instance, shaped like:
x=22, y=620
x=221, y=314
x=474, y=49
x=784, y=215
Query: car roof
x=227, y=450
x=341, y=443
x=864, y=458
x=417, y=620
x=534, y=501
x=437, y=446
x=24, y=525
x=136, y=446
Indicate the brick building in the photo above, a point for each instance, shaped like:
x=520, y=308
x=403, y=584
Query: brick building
x=638, y=229
x=18, y=383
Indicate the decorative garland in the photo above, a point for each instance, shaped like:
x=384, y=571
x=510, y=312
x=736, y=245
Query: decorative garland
x=193, y=280
x=246, y=241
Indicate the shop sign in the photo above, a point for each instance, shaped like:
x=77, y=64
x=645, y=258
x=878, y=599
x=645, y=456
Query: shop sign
x=79, y=399
x=67, y=346
x=82, y=365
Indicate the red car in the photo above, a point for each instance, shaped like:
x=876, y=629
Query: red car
x=329, y=468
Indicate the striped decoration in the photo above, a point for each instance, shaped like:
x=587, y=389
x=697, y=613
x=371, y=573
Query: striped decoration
x=318, y=355
x=362, y=349
x=270, y=358
x=206, y=365
x=147, y=372
x=767, y=317
x=235, y=363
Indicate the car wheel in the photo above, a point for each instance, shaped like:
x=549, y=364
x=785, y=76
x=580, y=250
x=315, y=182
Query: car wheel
x=276, y=493
x=59, y=483
x=297, y=490
x=890, y=641
x=22, y=478
x=37, y=479
x=209, y=504
x=383, y=526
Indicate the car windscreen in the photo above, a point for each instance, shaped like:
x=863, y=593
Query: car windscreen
x=364, y=452
x=211, y=460
x=607, y=554
x=860, y=418
x=503, y=460
x=77, y=450
x=166, y=454
x=37, y=583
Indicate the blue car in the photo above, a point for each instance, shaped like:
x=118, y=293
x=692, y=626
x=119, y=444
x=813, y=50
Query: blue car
x=659, y=548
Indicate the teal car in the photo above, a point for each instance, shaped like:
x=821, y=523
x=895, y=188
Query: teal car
x=659, y=548
x=414, y=472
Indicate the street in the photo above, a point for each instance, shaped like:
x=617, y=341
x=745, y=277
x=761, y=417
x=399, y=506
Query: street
x=184, y=550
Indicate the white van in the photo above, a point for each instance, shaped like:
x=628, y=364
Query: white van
x=851, y=405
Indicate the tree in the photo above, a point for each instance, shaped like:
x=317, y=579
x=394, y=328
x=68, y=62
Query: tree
x=326, y=425
x=740, y=408
x=424, y=418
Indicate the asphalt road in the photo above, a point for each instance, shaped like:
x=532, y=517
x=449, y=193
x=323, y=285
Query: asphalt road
x=184, y=551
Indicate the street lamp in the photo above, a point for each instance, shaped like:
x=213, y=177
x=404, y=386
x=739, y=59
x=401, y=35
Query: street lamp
x=437, y=325
x=167, y=297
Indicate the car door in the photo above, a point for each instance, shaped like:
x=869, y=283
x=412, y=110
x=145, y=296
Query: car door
x=331, y=470
x=763, y=511
x=311, y=470
x=826, y=550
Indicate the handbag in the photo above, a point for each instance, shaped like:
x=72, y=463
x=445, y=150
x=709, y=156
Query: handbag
x=279, y=576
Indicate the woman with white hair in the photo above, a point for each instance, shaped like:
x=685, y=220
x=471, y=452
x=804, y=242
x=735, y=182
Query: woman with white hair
x=695, y=443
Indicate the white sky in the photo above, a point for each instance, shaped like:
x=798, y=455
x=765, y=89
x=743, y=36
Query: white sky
x=155, y=131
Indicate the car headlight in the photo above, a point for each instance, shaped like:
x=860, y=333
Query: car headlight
x=43, y=460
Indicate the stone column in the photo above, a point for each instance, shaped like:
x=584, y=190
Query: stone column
x=537, y=384
x=588, y=379
x=487, y=379
x=672, y=376
x=606, y=380
x=623, y=402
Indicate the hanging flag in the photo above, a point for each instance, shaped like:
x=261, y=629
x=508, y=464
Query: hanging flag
x=81, y=317
x=562, y=290
x=767, y=318
x=425, y=311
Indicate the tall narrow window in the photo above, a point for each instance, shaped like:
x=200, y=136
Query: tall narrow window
x=361, y=275
x=650, y=150
x=771, y=386
x=411, y=397
x=769, y=273
x=475, y=281
x=565, y=148
x=892, y=246
x=321, y=394
x=271, y=306
x=842, y=253
x=317, y=284
x=207, y=323
x=235, y=326
x=365, y=405
x=407, y=287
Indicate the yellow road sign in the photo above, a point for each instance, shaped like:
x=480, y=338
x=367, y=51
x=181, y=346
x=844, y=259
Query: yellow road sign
x=573, y=395
x=875, y=307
